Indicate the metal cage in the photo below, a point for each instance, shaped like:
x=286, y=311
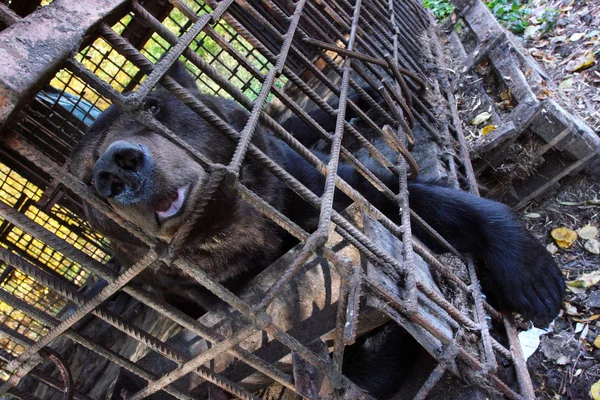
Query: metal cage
x=57, y=275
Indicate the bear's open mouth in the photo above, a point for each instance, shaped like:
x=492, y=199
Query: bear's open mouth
x=170, y=205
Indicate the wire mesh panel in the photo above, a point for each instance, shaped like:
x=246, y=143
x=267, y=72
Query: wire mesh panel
x=275, y=59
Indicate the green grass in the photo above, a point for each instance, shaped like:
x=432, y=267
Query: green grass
x=511, y=13
x=442, y=9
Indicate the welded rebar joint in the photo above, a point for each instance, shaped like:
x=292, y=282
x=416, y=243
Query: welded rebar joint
x=132, y=103
x=261, y=319
x=345, y=267
x=317, y=240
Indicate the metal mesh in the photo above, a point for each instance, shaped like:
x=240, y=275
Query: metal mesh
x=301, y=55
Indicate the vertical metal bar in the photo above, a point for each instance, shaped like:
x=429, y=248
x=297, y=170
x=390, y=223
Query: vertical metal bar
x=246, y=134
x=407, y=244
x=328, y=194
x=490, y=359
x=171, y=57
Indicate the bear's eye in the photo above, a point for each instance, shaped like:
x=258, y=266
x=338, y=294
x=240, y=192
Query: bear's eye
x=152, y=106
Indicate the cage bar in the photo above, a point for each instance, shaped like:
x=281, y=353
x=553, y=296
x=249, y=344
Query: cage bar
x=276, y=58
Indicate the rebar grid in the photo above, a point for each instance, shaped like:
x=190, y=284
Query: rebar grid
x=389, y=53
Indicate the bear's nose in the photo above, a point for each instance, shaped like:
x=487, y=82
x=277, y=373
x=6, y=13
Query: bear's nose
x=121, y=172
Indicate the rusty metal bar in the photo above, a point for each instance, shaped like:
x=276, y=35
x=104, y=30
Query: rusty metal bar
x=405, y=20
x=298, y=82
x=490, y=359
x=77, y=338
x=150, y=257
x=518, y=358
x=171, y=57
x=246, y=134
x=431, y=381
x=334, y=154
x=191, y=365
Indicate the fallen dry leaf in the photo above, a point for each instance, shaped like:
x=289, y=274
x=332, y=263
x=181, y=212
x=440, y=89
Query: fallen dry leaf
x=581, y=62
x=595, y=391
x=564, y=237
x=563, y=360
x=570, y=309
x=487, y=129
x=587, y=320
x=506, y=95
x=566, y=84
x=532, y=215
x=481, y=118
x=531, y=31
x=570, y=203
x=576, y=36
x=592, y=245
x=597, y=341
x=588, y=232
x=585, y=280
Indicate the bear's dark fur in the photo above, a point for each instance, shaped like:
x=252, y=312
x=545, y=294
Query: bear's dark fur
x=143, y=176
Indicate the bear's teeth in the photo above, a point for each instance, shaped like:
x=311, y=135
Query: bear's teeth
x=166, y=208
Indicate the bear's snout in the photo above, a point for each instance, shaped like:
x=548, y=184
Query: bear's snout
x=123, y=173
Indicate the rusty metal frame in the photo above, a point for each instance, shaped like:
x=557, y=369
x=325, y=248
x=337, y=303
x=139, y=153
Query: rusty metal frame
x=386, y=57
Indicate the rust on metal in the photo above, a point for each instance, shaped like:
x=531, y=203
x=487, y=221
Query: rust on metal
x=326, y=46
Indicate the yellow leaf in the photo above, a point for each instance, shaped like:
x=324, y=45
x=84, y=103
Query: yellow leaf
x=587, y=232
x=487, y=129
x=597, y=341
x=587, y=320
x=583, y=62
x=595, y=391
x=585, y=280
x=566, y=84
x=481, y=118
x=564, y=237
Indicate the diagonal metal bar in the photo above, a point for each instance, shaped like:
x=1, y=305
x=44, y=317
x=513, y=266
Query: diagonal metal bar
x=148, y=259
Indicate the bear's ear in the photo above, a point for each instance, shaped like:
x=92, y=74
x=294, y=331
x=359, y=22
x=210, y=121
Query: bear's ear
x=179, y=72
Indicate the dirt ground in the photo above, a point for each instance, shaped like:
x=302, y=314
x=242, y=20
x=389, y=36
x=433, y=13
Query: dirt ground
x=564, y=38
x=567, y=363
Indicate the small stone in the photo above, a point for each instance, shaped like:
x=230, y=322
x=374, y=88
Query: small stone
x=594, y=299
x=552, y=248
